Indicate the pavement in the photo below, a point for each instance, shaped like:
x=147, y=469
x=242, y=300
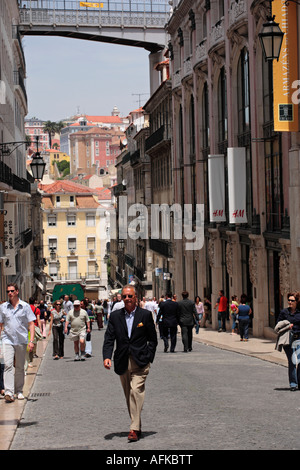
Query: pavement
x=261, y=348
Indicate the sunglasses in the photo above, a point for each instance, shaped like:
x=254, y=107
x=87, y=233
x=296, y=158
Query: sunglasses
x=127, y=295
x=57, y=305
x=291, y=300
x=11, y=290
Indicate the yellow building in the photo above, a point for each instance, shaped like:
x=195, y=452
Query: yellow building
x=56, y=156
x=75, y=237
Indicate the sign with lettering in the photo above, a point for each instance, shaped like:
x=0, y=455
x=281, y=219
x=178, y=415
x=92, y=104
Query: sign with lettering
x=9, y=239
x=216, y=183
x=285, y=70
x=237, y=185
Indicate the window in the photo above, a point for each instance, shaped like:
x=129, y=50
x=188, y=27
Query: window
x=243, y=92
x=57, y=201
x=71, y=219
x=52, y=220
x=90, y=220
x=91, y=268
x=91, y=243
x=53, y=270
x=222, y=106
x=273, y=156
x=72, y=270
x=72, y=243
x=244, y=131
x=52, y=243
x=72, y=201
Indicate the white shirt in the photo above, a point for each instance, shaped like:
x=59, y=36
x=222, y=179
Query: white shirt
x=118, y=306
x=129, y=317
x=15, y=322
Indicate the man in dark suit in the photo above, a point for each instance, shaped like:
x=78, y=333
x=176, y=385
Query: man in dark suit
x=187, y=320
x=133, y=330
x=168, y=310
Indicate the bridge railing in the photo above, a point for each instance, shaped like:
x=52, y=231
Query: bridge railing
x=149, y=6
x=110, y=13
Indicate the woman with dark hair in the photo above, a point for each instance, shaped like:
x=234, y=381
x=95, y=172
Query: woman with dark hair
x=291, y=316
x=57, y=327
x=244, y=311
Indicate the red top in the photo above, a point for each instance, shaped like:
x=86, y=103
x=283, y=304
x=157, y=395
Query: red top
x=222, y=304
x=36, y=311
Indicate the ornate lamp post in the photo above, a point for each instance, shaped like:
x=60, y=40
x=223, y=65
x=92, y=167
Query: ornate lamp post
x=271, y=38
x=37, y=165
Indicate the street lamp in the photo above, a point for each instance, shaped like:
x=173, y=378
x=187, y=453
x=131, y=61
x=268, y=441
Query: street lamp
x=37, y=165
x=271, y=38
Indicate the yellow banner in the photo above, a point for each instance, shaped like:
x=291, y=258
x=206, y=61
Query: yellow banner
x=285, y=71
x=91, y=5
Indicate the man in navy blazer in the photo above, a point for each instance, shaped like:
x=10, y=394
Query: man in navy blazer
x=169, y=312
x=132, y=329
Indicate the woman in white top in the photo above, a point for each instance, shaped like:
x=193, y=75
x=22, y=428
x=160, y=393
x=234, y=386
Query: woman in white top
x=200, y=311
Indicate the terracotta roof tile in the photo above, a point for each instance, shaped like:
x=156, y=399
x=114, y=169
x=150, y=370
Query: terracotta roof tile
x=64, y=186
x=86, y=202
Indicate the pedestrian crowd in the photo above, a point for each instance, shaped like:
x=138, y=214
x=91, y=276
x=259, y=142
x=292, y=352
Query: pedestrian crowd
x=132, y=327
x=23, y=324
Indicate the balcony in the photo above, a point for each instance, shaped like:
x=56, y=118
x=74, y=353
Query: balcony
x=163, y=134
x=135, y=157
x=21, y=184
x=162, y=247
x=6, y=175
x=19, y=81
x=26, y=238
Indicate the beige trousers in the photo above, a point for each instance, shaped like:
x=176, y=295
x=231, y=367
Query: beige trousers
x=133, y=383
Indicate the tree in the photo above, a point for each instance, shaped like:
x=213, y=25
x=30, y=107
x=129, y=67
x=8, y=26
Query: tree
x=52, y=128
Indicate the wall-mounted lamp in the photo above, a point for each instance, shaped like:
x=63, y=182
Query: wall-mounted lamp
x=271, y=38
x=37, y=165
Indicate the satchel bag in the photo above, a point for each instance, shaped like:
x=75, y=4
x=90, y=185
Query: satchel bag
x=37, y=334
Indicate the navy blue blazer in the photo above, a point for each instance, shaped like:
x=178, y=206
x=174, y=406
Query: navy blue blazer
x=141, y=345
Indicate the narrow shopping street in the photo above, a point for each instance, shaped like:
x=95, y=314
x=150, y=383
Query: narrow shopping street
x=202, y=400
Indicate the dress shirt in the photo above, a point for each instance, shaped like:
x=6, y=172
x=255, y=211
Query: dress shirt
x=129, y=317
x=15, y=322
x=118, y=305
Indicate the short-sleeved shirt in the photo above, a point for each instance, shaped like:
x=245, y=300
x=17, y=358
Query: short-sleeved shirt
x=244, y=310
x=77, y=319
x=15, y=322
x=222, y=304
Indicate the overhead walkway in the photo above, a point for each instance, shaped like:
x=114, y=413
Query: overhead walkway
x=131, y=23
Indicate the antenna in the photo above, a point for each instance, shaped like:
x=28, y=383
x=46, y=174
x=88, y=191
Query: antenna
x=139, y=95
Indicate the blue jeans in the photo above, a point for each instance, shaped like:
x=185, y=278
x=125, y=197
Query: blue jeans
x=197, y=326
x=293, y=370
x=244, y=327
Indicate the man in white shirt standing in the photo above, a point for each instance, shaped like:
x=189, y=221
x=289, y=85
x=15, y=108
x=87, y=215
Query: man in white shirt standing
x=151, y=305
x=16, y=318
x=119, y=304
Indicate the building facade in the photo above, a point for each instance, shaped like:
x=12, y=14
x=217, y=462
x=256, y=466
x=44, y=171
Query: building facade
x=223, y=104
x=75, y=237
x=94, y=150
x=34, y=128
x=21, y=257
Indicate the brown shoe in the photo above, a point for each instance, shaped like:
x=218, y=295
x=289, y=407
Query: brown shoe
x=134, y=435
x=9, y=398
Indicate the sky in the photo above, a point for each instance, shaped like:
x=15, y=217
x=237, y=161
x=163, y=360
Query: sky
x=68, y=76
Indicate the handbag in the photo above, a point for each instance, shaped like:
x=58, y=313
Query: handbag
x=37, y=334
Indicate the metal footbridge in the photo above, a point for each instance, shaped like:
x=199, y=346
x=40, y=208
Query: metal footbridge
x=139, y=23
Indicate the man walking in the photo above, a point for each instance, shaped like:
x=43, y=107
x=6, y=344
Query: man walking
x=169, y=313
x=133, y=330
x=16, y=318
x=187, y=320
x=222, y=310
x=80, y=326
